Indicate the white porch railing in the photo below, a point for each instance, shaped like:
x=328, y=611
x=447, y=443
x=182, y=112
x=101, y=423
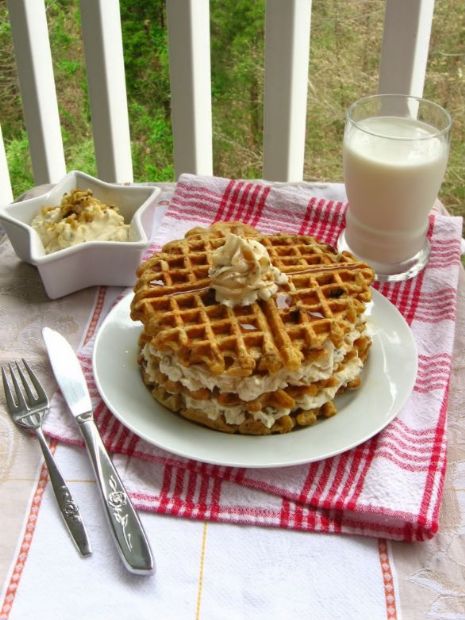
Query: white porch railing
x=37, y=85
x=407, y=29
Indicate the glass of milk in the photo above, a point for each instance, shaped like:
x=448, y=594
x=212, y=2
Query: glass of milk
x=395, y=154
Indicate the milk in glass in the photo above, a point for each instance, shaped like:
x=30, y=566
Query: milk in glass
x=393, y=169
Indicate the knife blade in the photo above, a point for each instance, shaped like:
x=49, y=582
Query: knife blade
x=126, y=527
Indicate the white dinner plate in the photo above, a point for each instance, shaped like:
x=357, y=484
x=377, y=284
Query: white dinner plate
x=387, y=381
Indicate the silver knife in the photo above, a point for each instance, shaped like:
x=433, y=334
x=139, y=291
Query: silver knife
x=126, y=527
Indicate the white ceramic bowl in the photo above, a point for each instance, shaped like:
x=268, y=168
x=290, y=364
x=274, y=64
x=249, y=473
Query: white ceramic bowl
x=111, y=263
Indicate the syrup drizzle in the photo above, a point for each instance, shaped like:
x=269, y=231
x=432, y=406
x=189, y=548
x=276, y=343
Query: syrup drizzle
x=311, y=269
x=330, y=267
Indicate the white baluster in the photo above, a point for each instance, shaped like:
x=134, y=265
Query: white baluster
x=404, y=54
x=103, y=46
x=6, y=194
x=287, y=45
x=189, y=55
x=37, y=84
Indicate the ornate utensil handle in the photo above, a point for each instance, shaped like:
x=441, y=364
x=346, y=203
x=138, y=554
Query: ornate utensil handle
x=68, y=508
x=125, y=525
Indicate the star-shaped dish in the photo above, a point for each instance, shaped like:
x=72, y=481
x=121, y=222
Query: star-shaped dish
x=112, y=263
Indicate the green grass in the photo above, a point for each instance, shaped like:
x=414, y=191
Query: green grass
x=19, y=163
x=344, y=55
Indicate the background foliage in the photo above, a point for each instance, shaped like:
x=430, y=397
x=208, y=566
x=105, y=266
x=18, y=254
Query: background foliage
x=345, y=48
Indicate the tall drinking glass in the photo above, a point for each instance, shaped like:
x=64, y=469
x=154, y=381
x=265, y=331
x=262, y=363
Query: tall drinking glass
x=395, y=154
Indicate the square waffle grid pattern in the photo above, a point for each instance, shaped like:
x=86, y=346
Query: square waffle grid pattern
x=323, y=299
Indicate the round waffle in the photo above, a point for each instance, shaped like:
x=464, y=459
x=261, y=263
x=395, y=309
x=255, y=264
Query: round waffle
x=318, y=310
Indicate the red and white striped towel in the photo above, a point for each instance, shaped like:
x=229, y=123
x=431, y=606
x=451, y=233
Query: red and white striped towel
x=391, y=485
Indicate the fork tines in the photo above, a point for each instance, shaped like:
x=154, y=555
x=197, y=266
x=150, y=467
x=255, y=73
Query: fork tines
x=18, y=402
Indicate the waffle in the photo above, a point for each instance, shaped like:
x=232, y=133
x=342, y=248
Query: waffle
x=319, y=307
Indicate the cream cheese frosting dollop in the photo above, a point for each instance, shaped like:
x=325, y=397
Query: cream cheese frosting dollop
x=242, y=272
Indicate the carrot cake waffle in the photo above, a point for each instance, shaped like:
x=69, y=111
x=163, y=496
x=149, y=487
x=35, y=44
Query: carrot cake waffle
x=251, y=333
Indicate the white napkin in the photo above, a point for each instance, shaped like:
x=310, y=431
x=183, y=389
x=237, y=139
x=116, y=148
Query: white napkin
x=204, y=570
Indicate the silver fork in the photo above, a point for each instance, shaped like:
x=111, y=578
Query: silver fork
x=28, y=411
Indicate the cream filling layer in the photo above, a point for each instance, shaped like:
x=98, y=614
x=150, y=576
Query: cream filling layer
x=268, y=416
x=249, y=388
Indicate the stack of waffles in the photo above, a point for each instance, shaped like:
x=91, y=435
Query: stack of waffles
x=271, y=366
